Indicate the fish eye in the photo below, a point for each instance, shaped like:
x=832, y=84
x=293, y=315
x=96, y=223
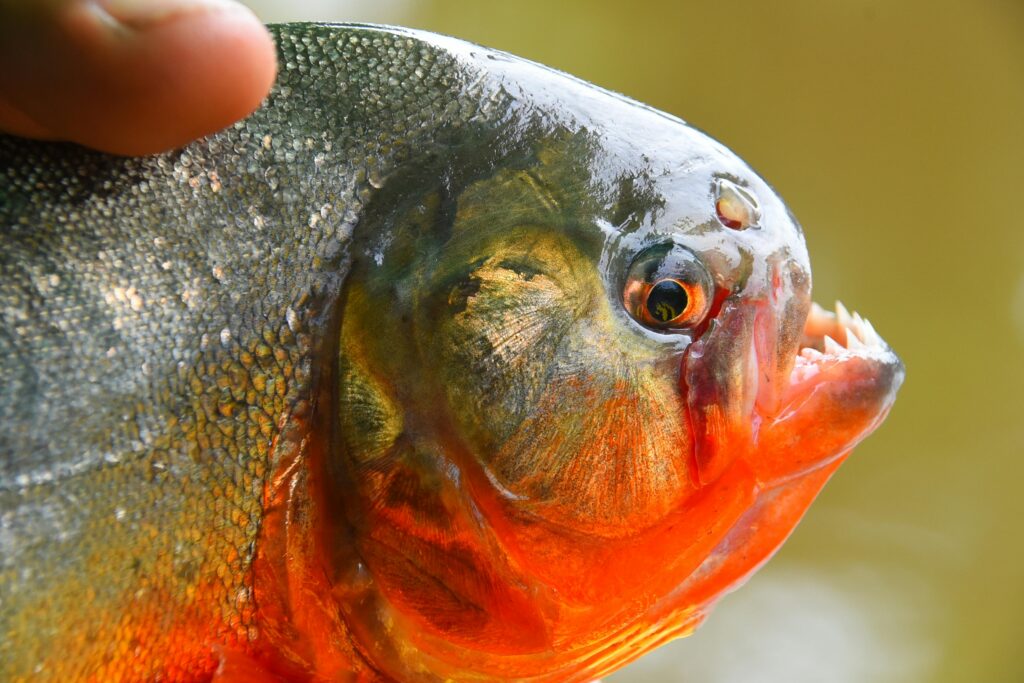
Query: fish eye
x=667, y=288
x=735, y=206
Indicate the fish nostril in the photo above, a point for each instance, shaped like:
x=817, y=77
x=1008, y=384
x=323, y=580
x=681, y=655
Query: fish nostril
x=735, y=206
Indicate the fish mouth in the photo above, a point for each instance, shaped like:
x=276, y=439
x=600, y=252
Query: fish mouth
x=843, y=382
x=784, y=389
x=832, y=337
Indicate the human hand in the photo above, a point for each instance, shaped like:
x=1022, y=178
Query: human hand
x=130, y=76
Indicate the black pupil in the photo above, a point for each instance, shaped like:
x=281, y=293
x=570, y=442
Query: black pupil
x=667, y=300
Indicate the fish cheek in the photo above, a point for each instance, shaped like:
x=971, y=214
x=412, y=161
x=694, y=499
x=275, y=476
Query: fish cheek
x=556, y=399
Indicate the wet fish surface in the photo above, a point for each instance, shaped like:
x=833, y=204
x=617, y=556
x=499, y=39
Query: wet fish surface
x=442, y=365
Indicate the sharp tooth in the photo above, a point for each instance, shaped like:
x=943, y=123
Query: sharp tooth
x=870, y=334
x=842, y=314
x=832, y=347
x=857, y=324
x=853, y=343
x=819, y=312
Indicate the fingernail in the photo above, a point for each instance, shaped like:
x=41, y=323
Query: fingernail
x=142, y=13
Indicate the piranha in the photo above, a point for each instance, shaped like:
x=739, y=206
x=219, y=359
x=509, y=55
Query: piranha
x=441, y=366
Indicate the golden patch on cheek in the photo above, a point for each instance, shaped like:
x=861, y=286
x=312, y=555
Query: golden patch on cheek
x=509, y=332
x=511, y=314
x=505, y=321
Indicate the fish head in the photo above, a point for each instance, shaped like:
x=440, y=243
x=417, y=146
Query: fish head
x=583, y=389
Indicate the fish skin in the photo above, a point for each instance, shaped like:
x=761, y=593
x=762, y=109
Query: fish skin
x=204, y=410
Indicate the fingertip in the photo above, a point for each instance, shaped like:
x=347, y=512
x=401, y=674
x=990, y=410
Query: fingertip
x=142, y=77
x=212, y=69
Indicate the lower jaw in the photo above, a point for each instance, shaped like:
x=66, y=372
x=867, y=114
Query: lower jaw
x=753, y=539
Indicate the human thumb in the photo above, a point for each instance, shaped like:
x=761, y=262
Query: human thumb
x=130, y=76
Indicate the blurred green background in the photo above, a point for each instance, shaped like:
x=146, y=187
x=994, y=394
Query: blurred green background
x=895, y=131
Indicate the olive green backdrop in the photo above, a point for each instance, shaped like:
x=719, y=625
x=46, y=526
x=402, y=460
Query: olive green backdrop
x=895, y=131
